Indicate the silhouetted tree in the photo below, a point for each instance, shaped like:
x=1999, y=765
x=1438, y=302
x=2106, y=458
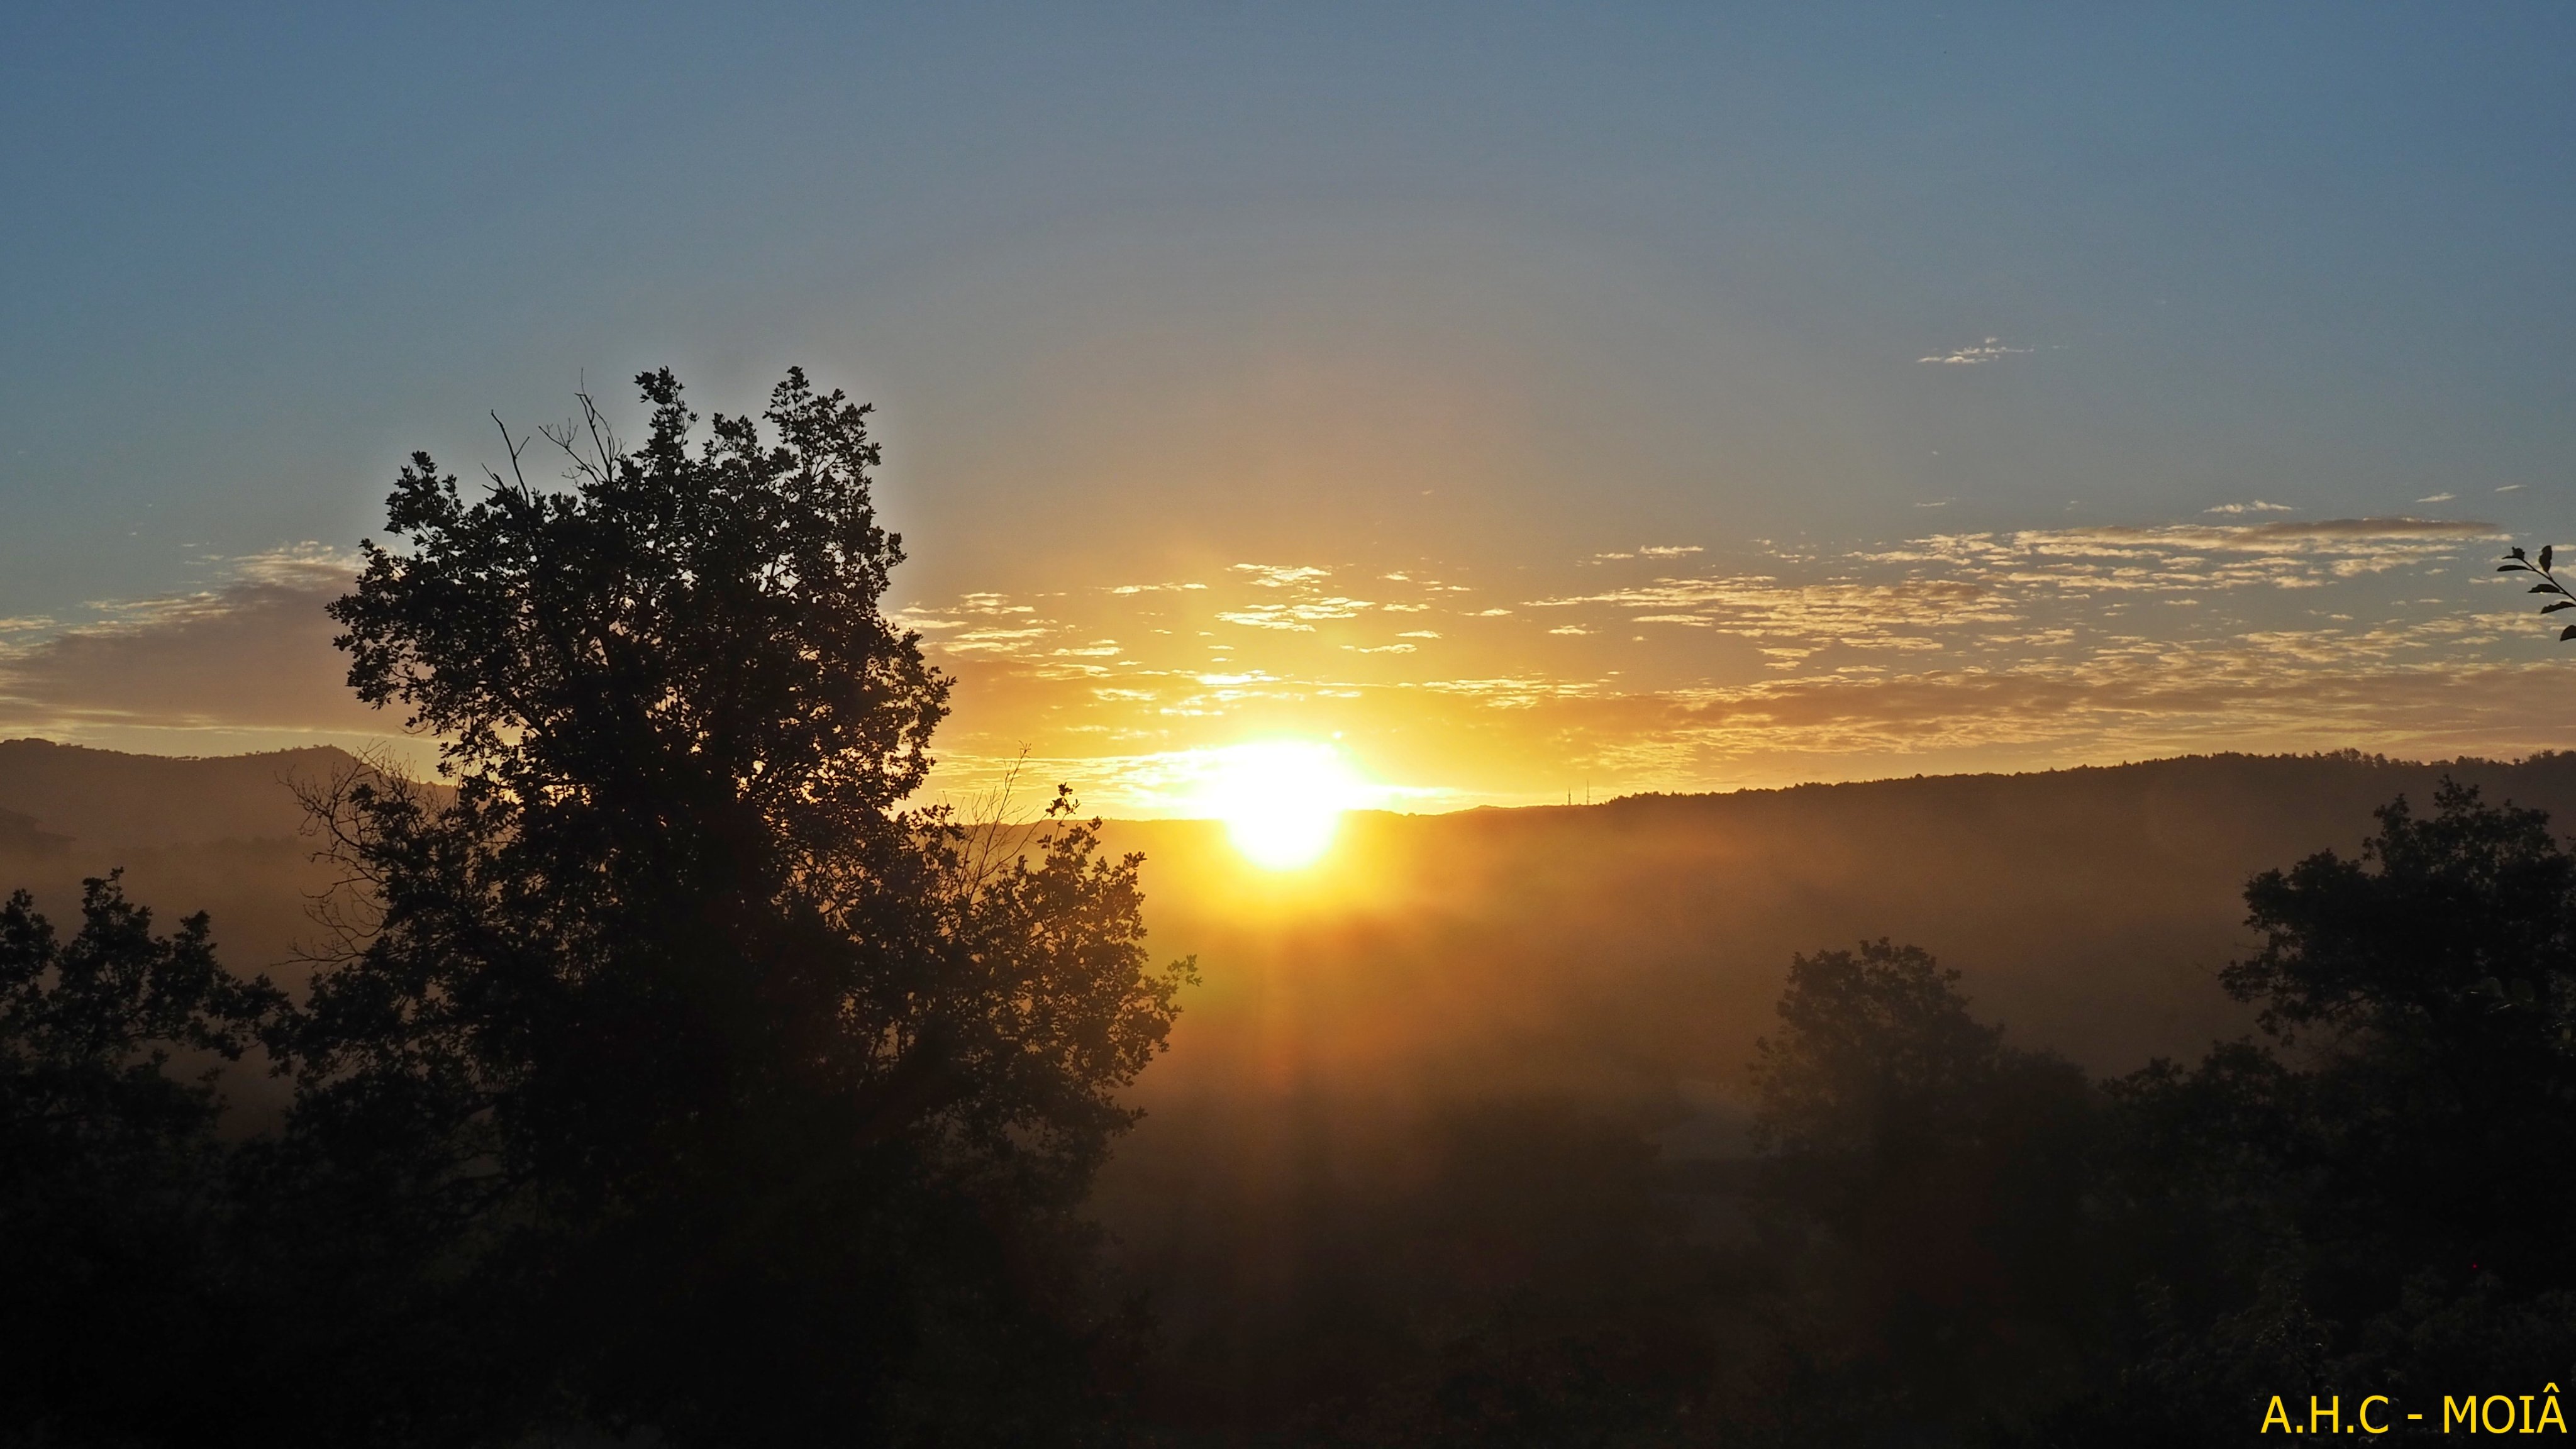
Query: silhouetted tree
x=113, y=1203
x=701, y=1086
x=2434, y=980
x=1926, y=1184
x=2374, y=1201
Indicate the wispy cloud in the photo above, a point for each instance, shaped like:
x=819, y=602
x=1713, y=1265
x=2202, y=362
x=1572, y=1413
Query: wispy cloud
x=1276, y=576
x=252, y=652
x=2255, y=506
x=1651, y=550
x=1156, y=588
x=1300, y=617
x=994, y=641
x=1990, y=350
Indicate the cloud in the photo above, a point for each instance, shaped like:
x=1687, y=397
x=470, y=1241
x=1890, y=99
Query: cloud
x=2260, y=535
x=1274, y=576
x=1990, y=350
x=1651, y=550
x=1760, y=606
x=1300, y=617
x=252, y=653
x=2438, y=498
x=995, y=641
x=2510, y=488
x=2257, y=506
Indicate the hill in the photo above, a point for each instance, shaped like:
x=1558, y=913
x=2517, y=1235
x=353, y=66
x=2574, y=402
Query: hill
x=101, y=798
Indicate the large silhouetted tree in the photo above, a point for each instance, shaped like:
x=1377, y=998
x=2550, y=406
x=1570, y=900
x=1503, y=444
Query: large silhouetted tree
x=701, y=1085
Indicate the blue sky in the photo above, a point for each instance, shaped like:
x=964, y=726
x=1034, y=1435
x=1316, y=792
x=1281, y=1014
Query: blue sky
x=1176, y=294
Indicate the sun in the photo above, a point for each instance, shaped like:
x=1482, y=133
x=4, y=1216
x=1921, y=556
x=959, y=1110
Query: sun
x=1281, y=800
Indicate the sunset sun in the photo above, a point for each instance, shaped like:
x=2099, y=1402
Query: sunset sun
x=1281, y=800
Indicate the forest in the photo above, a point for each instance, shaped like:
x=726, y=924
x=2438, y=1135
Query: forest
x=663, y=1071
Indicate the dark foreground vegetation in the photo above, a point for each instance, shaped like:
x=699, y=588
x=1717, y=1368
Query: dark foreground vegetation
x=662, y=1080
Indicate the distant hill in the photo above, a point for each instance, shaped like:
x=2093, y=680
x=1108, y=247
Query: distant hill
x=103, y=798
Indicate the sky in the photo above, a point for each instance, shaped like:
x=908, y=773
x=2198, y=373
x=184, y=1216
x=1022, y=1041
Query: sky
x=1515, y=402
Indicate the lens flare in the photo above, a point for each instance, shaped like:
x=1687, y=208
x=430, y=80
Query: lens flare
x=1281, y=800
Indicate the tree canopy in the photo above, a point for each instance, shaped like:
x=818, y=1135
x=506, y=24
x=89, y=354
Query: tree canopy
x=673, y=1032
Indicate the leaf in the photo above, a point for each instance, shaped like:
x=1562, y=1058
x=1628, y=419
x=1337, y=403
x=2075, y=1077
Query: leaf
x=2561, y=604
x=2511, y=569
x=2515, y=551
x=2567, y=633
x=2547, y=589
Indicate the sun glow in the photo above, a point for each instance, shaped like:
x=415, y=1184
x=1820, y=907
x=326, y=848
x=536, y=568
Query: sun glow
x=1281, y=800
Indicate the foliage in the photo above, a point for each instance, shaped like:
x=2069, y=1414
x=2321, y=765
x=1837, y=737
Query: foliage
x=1926, y=1183
x=750, y=1105
x=2518, y=562
x=2440, y=1100
x=2374, y=1202
x=112, y=1201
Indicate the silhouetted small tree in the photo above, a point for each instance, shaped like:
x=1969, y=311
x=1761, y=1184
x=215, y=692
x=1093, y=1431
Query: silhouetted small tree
x=704, y=1086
